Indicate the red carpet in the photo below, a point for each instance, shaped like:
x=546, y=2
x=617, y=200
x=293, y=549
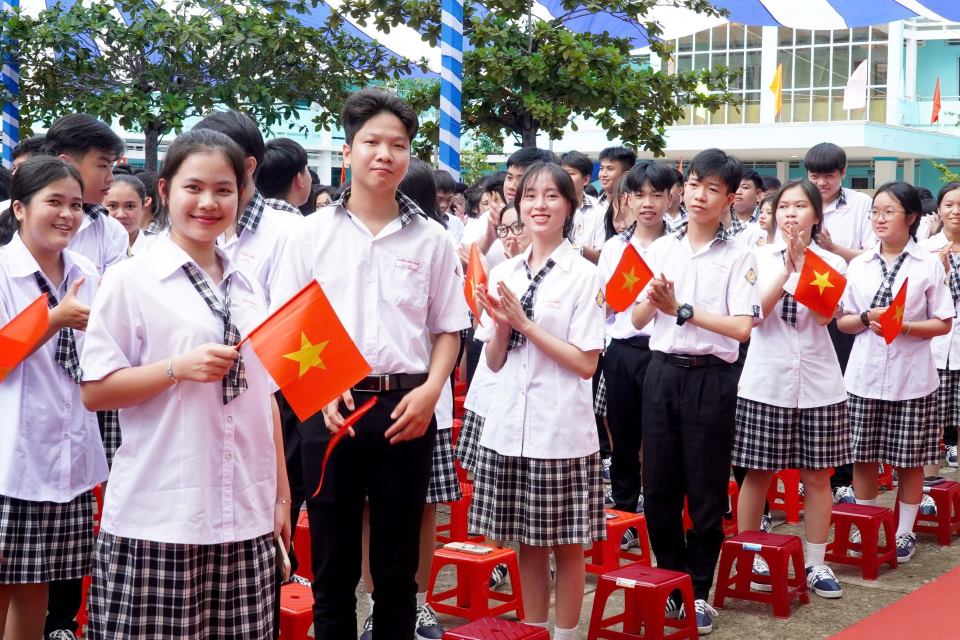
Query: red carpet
x=925, y=613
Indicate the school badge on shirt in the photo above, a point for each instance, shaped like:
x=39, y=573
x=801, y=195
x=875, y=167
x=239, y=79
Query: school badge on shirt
x=601, y=299
x=751, y=277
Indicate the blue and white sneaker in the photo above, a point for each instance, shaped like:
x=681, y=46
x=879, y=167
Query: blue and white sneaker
x=705, y=615
x=952, y=456
x=766, y=523
x=674, y=608
x=927, y=506
x=629, y=540
x=640, y=504
x=367, y=629
x=497, y=576
x=906, y=546
x=821, y=580
x=608, y=502
x=844, y=495
x=605, y=464
x=760, y=568
x=428, y=627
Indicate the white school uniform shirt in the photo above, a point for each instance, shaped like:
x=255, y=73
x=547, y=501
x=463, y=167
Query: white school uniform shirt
x=753, y=236
x=720, y=278
x=454, y=227
x=905, y=368
x=390, y=291
x=542, y=409
x=946, y=348
x=51, y=449
x=847, y=219
x=483, y=387
x=674, y=223
x=257, y=248
x=100, y=239
x=474, y=230
x=144, y=240
x=787, y=366
x=190, y=470
x=588, y=229
x=620, y=325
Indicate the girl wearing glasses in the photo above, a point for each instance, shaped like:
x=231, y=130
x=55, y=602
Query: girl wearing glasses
x=892, y=388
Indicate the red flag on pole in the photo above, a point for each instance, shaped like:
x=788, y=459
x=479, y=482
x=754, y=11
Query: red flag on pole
x=935, y=114
x=820, y=286
x=628, y=280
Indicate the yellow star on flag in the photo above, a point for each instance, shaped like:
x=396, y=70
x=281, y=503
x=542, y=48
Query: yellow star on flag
x=822, y=281
x=309, y=354
x=473, y=289
x=630, y=279
x=898, y=313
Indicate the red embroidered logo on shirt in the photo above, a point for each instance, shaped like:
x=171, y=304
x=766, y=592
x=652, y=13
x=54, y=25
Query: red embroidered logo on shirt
x=410, y=264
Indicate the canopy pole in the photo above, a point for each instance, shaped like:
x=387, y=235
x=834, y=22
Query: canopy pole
x=10, y=77
x=451, y=79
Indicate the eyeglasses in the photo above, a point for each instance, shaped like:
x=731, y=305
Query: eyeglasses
x=886, y=214
x=516, y=229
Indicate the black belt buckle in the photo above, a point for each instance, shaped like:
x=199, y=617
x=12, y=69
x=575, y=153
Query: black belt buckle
x=373, y=384
x=685, y=362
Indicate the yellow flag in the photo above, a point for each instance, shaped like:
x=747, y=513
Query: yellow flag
x=777, y=87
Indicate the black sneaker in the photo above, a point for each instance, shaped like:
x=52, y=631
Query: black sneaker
x=497, y=576
x=428, y=627
x=367, y=629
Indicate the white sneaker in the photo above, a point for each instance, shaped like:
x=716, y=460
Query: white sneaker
x=927, y=506
x=760, y=568
x=855, y=538
x=844, y=495
x=821, y=581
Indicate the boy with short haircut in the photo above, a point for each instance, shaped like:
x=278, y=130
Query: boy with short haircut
x=846, y=230
x=702, y=303
x=588, y=233
x=614, y=163
x=517, y=165
x=284, y=177
x=676, y=214
x=394, y=280
x=446, y=192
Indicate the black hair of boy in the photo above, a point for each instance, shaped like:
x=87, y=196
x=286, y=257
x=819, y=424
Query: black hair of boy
x=240, y=128
x=925, y=194
x=825, y=157
x=461, y=188
x=420, y=185
x=493, y=183
x=78, y=134
x=622, y=155
x=908, y=197
x=659, y=176
x=577, y=161
x=283, y=160
x=529, y=155
x=715, y=163
x=122, y=170
x=591, y=191
x=28, y=147
x=443, y=180
x=754, y=177
x=678, y=177
x=472, y=198
x=770, y=183
x=366, y=104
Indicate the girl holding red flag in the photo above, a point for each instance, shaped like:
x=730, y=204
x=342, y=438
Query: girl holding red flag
x=892, y=388
x=791, y=406
x=198, y=486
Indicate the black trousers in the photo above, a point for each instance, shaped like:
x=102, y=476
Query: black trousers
x=394, y=478
x=843, y=345
x=63, y=605
x=624, y=366
x=605, y=449
x=291, y=450
x=473, y=347
x=688, y=427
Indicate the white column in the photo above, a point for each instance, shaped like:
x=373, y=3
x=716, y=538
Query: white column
x=910, y=68
x=325, y=166
x=909, y=170
x=885, y=170
x=768, y=68
x=783, y=170
x=895, y=70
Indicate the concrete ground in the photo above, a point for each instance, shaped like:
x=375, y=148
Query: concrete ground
x=821, y=618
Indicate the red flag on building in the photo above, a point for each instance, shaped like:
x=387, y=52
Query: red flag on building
x=935, y=114
x=892, y=319
x=820, y=285
x=628, y=280
x=19, y=336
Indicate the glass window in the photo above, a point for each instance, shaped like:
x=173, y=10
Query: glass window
x=858, y=53
x=841, y=65
x=720, y=116
x=754, y=37
x=735, y=64
x=701, y=40
x=751, y=71
x=804, y=37
x=801, y=106
x=786, y=109
x=684, y=63
x=821, y=37
x=878, y=64
x=785, y=37
x=801, y=68
x=837, y=112
x=685, y=43
x=701, y=61
x=737, y=37
x=751, y=107
x=821, y=105
x=719, y=37
x=879, y=33
x=861, y=34
x=877, y=105
x=821, y=66
x=841, y=35
x=785, y=57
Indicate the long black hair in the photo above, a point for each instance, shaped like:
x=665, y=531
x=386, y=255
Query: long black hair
x=32, y=176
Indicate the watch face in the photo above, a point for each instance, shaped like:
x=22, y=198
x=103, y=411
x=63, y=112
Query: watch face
x=686, y=311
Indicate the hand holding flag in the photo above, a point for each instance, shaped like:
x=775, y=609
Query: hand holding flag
x=820, y=286
x=628, y=280
x=892, y=319
x=20, y=336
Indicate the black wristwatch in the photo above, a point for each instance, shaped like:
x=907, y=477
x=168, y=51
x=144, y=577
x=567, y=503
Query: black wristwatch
x=865, y=319
x=684, y=313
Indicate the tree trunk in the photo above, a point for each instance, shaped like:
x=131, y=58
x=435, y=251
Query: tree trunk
x=151, y=147
x=528, y=132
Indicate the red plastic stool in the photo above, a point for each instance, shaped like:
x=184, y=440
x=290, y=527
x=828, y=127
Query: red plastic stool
x=730, y=526
x=868, y=519
x=778, y=550
x=645, y=593
x=472, y=590
x=301, y=545
x=605, y=555
x=458, y=406
x=789, y=499
x=460, y=388
x=946, y=523
x=82, y=614
x=296, y=611
x=885, y=477
x=496, y=629
x=456, y=529
x=455, y=435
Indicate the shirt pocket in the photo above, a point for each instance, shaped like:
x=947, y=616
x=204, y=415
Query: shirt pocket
x=711, y=288
x=548, y=313
x=404, y=280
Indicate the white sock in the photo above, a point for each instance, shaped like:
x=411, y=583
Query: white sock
x=872, y=502
x=814, y=553
x=366, y=601
x=908, y=515
x=421, y=598
x=564, y=634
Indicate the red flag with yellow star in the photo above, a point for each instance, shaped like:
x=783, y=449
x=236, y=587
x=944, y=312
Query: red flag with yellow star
x=19, y=336
x=307, y=351
x=628, y=280
x=820, y=286
x=476, y=276
x=892, y=319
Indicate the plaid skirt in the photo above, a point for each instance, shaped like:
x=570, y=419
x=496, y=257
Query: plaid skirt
x=468, y=443
x=948, y=398
x=536, y=501
x=773, y=438
x=109, y=433
x=444, y=485
x=600, y=399
x=144, y=590
x=45, y=541
x=901, y=433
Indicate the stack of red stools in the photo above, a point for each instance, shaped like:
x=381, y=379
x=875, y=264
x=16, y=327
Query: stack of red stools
x=496, y=629
x=296, y=611
x=885, y=477
x=780, y=552
x=605, y=555
x=456, y=529
x=869, y=520
x=946, y=523
x=646, y=590
x=301, y=545
x=472, y=590
x=788, y=499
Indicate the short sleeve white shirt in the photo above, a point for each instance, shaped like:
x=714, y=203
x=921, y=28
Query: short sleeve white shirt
x=946, y=348
x=621, y=327
x=100, y=239
x=588, y=229
x=190, y=470
x=474, y=230
x=542, y=409
x=51, y=449
x=791, y=366
x=847, y=219
x=482, y=387
x=905, y=368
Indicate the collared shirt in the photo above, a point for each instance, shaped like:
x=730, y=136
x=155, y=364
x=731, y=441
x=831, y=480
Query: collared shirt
x=100, y=239
x=719, y=278
x=946, y=348
x=482, y=388
x=674, y=223
x=454, y=227
x=51, y=449
x=847, y=219
x=542, y=409
x=620, y=325
x=390, y=290
x=905, y=368
x=474, y=230
x=257, y=248
x=791, y=366
x=588, y=227
x=191, y=470
x=144, y=240
x=282, y=205
x=752, y=235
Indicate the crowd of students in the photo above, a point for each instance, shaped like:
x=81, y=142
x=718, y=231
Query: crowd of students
x=152, y=281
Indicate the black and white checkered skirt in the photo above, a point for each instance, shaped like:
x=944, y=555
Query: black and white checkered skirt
x=444, y=484
x=45, y=541
x=110, y=433
x=536, y=501
x=143, y=589
x=600, y=399
x=773, y=438
x=468, y=443
x=948, y=398
x=902, y=433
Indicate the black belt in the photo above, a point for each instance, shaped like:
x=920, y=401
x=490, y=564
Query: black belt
x=691, y=362
x=642, y=342
x=390, y=382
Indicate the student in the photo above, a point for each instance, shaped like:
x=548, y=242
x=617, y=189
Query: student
x=588, y=233
x=166, y=505
x=770, y=185
x=791, y=409
x=746, y=202
x=614, y=163
x=128, y=203
x=256, y=243
x=946, y=348
x=446, y=188
x=617, y=216
x=324, y=196
x=517, y=165
x=767, y=221
x=538, y=467
x=702, y=303
x=892, y=388
x=52, y=455
x=676, y=214
x=283, y=177
x=394, y=279
x=26, y=149
x=482, y=229
x=647, y=188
